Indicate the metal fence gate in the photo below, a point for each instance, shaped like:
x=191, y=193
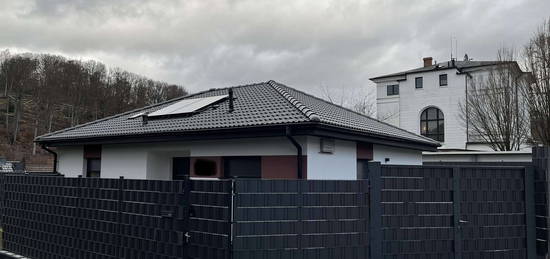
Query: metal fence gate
x=455, y=212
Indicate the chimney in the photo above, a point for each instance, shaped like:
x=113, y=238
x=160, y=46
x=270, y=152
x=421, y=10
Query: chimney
x=231, y=108
x=427, y=61
x=144, y=118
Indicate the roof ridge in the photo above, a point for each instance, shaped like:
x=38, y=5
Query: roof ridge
x=446, y=66
x=356, y=112
x=309, y=113
x=140, y=109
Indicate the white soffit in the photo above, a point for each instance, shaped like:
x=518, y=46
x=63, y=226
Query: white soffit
x=187, y=106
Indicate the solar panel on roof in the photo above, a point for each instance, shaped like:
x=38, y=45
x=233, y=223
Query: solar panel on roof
x=187, y=106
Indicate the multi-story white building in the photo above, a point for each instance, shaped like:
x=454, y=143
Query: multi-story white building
x=426, y=100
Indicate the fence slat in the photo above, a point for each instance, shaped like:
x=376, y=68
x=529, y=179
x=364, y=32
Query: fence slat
x=375, y=195
x=457, y=248
x=530, y=218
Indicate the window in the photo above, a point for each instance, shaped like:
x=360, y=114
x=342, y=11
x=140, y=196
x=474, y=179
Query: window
x=443, y=80
x=418, y=82
x=393, y=90
x=180, y=168
x=93, y=167
x=242, y=167
x=432, y=124
x=92, y=156
x=205, y=167
x=362, y=169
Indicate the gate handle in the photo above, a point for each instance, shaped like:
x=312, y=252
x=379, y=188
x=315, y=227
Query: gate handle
x=462, y=221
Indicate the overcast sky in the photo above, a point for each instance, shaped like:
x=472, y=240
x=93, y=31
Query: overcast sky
x=306, y=44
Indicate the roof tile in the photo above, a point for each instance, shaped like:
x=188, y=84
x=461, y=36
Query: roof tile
x=260, y=104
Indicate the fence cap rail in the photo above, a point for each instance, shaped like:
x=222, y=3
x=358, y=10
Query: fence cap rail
x=456, y=166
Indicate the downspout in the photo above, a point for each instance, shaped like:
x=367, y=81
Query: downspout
x=298, y=152
x=54, y=157
x=468, y=75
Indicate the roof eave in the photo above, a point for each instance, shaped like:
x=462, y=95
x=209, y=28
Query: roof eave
x=314, y=129
x=347, y=134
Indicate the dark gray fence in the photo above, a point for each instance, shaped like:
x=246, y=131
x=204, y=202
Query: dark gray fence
x=301, y=219
x=210, y=219
x=460, y=212
x=57, y=217
x=399, y=212
x=541, y=162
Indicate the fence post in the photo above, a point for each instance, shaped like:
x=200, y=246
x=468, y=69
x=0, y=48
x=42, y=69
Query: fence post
x=375, y=208
x=541, y=163
x=456, y=214
x=231, y=218
x=300, y=228
x=120, y=252
x=530, y=225
x=78, y=219
x=2, y=208
x=186, y=213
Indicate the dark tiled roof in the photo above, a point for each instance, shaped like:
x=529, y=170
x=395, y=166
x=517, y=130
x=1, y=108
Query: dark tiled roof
x=262, y=104
x=445, y=65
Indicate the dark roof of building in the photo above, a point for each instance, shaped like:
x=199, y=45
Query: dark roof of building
x=255, y=105
x=440, y=66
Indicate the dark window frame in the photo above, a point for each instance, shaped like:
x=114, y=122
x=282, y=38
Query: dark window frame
x=419, y=85
x=185, y=161
x=438, y=133
x=392, y=90
x=443, y=80
x=205, y=167
x=255, y=159
x=93, y=173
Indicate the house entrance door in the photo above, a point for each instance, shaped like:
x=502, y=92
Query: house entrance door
x=180, y=168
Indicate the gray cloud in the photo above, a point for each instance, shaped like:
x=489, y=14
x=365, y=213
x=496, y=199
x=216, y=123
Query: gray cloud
x=306, y=44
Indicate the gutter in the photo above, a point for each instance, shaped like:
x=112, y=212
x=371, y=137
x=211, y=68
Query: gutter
x=54, y=157
x=299, y=160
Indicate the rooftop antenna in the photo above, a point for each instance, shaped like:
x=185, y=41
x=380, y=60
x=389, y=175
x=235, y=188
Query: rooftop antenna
x=456, y=48
x=451, y=46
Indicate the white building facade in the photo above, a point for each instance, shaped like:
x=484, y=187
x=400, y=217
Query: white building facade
x=153, y=161
x=428, y=101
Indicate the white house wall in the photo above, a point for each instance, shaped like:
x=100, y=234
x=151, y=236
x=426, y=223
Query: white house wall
x=123, y=160
x=396, y=156
x=481, y=156
x=70, y=160
x=411, y=102
x=341, y=165
x=154, y=161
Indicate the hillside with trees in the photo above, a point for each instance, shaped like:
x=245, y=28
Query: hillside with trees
x=41, y=93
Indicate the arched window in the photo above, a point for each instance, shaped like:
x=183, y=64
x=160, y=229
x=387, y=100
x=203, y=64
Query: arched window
x=432, y=124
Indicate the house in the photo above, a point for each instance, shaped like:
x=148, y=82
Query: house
x=426, y=101
x=265, y=130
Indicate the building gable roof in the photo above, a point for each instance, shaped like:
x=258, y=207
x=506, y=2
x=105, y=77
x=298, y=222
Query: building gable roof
x=441, y=66
x=255, y=105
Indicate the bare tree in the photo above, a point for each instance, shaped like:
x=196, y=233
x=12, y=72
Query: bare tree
x=494, y=109
x=537, y=59
x=362, y=102
x=40, y=93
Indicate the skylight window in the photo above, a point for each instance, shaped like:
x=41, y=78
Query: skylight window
x=187, y=106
